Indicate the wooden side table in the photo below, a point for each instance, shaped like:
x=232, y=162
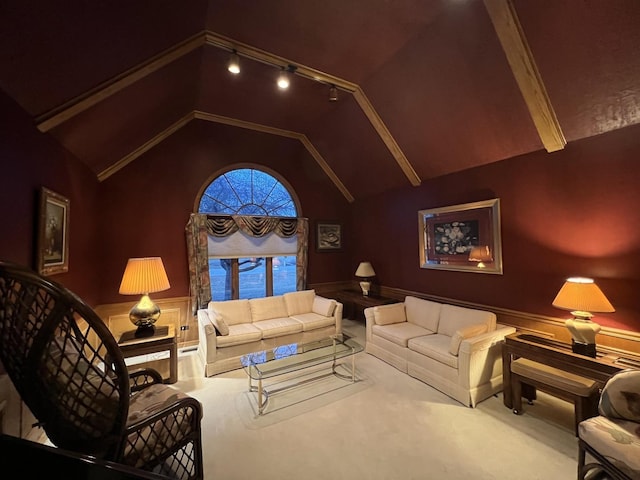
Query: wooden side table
x=164, y=338
x=354, y=302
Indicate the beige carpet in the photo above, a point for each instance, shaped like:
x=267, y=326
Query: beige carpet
x=385, y=426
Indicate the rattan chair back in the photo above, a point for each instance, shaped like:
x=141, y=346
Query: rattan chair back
x=64, y=362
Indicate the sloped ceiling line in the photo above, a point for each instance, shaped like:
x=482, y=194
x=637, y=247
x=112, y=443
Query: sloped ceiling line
x=211, y=117
x=81, y=103
x=127, y=159
x=283, y=133
x=514, y=43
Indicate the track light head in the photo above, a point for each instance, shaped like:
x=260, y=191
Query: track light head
x=234, y=63
x=284, y=79
x=333, y=93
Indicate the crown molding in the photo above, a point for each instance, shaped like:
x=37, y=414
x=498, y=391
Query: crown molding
x=79, y=104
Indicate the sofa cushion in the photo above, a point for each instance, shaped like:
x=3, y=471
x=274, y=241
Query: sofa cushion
x=275, y=327
x=464, y=333
x=233, y=311
x=399, y=333
x=311, y=321
x=299, y=302
x=267, y=308
x=434, y=346
x=238, y=334
x=389, y=314
x=216, y=319
x=423, y=312
x=323, y=306
x=453, y=318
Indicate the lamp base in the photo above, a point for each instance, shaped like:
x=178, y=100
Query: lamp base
x=365, y=286
x=143, y=315
x=586, y=349
x=144, y=331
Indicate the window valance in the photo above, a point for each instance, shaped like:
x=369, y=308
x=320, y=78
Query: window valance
x=224, y=225
x=201, y=229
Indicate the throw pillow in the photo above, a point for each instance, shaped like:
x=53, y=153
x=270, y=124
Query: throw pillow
x=323, y=306
x=463, y=333
x=219, y=323
x=388, y=314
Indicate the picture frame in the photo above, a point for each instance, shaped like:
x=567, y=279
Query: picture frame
x=53, y=233
x=462, y=238
x=329, y=237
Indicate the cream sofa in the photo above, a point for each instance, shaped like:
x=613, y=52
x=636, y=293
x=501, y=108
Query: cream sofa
x=230, y=329
x=454, y=349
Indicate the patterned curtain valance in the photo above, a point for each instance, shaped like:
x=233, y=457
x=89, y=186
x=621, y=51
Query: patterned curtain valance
x=200, y=226
x=223, y=225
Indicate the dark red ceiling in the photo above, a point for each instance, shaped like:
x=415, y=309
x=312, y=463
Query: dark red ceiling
x=434, y=72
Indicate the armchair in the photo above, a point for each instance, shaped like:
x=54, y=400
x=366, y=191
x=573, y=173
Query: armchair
x=613, y=437
x=68, y=369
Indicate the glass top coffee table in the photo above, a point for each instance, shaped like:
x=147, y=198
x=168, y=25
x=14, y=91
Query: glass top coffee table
x=296, y=357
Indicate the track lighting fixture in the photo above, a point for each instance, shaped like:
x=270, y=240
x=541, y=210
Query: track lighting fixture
x=333, y=93
x=283, y=78
x=234, y=63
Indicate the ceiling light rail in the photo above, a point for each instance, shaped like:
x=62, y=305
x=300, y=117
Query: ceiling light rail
x=258, y=55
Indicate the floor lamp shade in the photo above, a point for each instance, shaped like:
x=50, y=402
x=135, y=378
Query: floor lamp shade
x=143, y=276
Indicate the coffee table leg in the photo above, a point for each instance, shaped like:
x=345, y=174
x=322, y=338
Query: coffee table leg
x=353, y=368
x=260, y=404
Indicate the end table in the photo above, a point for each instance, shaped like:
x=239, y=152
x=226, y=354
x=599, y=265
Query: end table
x=163, y=338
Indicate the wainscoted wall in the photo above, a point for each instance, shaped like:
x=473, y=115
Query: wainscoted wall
x=175, y=311
x=552, y=327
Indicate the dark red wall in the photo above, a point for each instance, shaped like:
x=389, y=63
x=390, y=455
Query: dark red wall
x=30, y=160
x=145, y=207
x=572, y=212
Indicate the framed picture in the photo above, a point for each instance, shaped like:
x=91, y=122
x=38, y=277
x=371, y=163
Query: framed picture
x=53, y=233
x=328, y=237
x=464, y=238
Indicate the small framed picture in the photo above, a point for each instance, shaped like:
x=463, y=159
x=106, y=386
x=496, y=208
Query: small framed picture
x=53, y=233
x=328, y=236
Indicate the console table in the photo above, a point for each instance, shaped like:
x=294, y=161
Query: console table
x=354, y=302
x=559, y=355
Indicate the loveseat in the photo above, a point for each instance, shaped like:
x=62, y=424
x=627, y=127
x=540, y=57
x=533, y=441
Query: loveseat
x=230, y=329
x=454, y=349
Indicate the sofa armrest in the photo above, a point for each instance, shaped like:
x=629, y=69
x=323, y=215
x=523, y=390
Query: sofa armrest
x=337, y=313
x=369, y=322
x=207, y=341
x=480, y=357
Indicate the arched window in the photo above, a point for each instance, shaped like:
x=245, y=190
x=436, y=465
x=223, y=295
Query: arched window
x=253, y=192
x=247, y=191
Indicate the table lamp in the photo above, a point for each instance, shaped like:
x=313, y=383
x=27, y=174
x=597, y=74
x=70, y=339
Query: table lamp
x=582, y=296
x=365, y=271
x=144, y=276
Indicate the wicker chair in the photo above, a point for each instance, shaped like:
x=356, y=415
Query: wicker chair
x=613, y=437
x=68, y=369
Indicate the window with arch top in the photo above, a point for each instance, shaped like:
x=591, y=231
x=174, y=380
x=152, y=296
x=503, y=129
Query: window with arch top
x=253, y=192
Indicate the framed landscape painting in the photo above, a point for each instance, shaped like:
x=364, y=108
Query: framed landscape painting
x=328, y=236
x=53, y=233
x=464, y=238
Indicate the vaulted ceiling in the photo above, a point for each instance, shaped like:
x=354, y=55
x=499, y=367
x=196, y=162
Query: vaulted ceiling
x=426, y=87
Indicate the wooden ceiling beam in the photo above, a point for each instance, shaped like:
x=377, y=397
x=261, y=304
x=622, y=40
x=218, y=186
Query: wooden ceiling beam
x=515, y=46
